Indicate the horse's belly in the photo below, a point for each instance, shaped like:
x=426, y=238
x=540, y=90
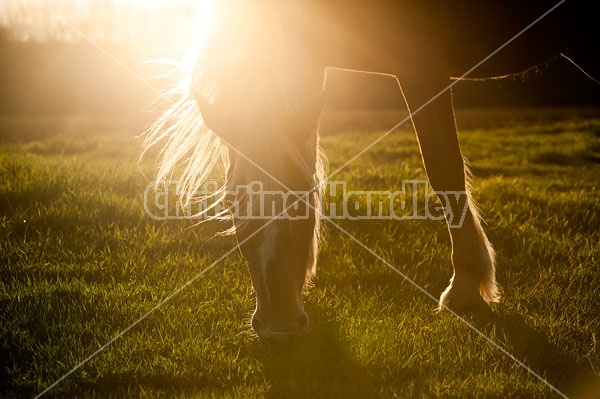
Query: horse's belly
x=377, y=36
x=387, y=36
x=483, y=27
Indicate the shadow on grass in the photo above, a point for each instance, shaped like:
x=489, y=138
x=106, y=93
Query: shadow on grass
x=554, y=364
x=319, y=365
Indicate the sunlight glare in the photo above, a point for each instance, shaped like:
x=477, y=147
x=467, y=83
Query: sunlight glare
x=160, y=23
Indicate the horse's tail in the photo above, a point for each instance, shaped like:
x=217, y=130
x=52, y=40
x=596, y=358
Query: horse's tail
x=488, y=287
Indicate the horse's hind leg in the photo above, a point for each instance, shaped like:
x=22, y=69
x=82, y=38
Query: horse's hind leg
x=473, y=283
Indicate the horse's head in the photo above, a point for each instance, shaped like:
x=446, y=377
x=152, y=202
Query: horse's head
x=273, y=185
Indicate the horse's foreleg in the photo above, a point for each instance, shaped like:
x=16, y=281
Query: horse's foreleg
x=473, y=283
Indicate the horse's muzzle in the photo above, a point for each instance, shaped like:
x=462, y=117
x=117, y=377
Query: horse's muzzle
x=280, y=329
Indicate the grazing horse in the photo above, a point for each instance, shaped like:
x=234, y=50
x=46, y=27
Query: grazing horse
x=249, y=109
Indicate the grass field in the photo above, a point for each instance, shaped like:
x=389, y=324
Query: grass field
x=80, y=261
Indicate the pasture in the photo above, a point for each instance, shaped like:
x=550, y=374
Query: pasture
x=80, y=261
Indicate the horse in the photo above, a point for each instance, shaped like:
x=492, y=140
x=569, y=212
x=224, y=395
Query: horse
x=247, y=109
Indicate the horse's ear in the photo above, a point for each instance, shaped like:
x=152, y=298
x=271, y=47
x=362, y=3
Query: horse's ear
x=305, y=121
x=209, y=113
x=313, y=110
x=213, y=119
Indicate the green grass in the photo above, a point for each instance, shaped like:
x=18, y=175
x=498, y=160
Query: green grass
x=80, y=261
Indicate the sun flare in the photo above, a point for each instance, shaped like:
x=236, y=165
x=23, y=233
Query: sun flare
x=160, y=22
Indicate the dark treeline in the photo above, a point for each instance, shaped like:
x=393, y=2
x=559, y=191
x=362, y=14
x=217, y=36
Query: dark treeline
x=76, y=78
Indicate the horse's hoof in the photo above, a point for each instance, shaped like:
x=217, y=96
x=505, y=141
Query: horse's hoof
x=468, y=306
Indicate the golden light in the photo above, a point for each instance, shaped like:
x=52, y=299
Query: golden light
x=160, y=22
x=93, y=56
